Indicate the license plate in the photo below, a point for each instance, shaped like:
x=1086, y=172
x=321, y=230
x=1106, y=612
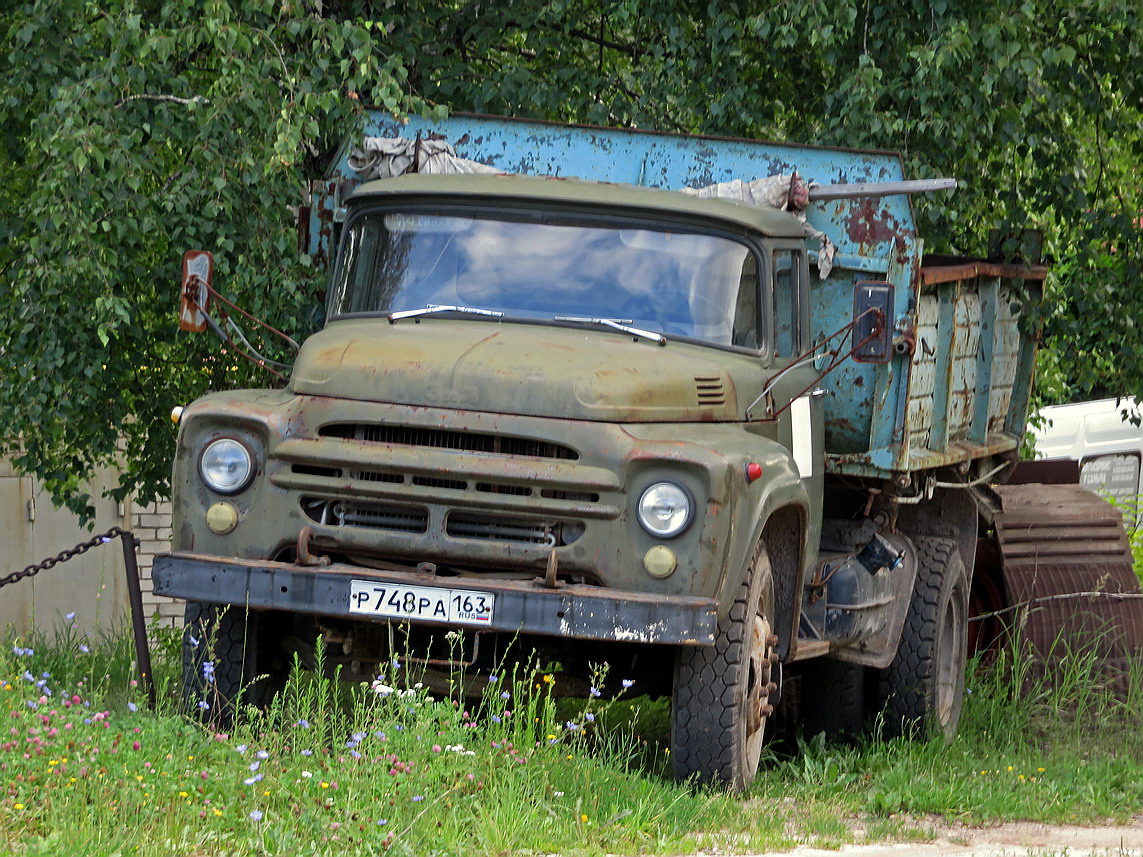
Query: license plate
x=456, y=606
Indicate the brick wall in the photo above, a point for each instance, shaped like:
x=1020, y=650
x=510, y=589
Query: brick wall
x=152, y=526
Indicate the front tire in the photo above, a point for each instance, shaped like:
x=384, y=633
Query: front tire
x=227, y=661
x=720, y=700
x=924, y=686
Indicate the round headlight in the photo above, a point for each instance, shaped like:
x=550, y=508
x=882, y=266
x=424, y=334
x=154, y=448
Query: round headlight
x=226, y=466
x=664, y=510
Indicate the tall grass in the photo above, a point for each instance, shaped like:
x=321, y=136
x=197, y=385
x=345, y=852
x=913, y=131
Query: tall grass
x=1041, y=742
x=328, y=768
x=363, y=769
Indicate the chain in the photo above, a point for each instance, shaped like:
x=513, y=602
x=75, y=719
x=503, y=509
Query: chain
x=64, y=556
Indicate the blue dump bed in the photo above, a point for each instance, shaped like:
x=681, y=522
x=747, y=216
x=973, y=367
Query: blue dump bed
x=959, y=396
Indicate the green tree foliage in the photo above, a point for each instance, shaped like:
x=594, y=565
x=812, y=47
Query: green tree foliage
x=134, y=131
x=1037, y=107
x=137, y=129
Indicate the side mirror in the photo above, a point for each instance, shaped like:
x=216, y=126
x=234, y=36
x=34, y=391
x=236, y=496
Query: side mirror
x=872, y=332
x=194, y=298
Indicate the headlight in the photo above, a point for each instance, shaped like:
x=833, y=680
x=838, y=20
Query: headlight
x=664, y=510
x=226, y=466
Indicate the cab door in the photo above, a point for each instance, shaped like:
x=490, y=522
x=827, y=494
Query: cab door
x=796, y=398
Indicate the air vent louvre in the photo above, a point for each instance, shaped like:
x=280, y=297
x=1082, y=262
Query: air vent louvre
x=710, y=390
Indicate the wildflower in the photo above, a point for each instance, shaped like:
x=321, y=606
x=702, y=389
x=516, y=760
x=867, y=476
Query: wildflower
x=307, y=774
x=241, y=748
x=70, y=616
x=132, y=707
x=627, y=682
x=418, y=798
x=381, y=822
x=193, y=639
x=84, y=648
x=254, y=779
x=307, y=752
x=256, y=815
x=493, y=679
x=495, y=719
x=203, y=704
x=136, y=745
x=589, y=717
x=548, y=679
x=262, y=754
x=505, y=695
x=208, y=671
x=305, y=724
x=381, y=689
x=255, y=765
x=583, y=818
x=595, y=694
x=572, y=727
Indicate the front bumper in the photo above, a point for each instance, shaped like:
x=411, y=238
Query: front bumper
x=524, y=607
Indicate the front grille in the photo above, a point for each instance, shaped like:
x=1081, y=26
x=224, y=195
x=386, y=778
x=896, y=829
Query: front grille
x=469, y=526
x=390, y=517
x=464, y=441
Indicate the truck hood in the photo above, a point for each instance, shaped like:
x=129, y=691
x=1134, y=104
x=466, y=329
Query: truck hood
x=526, y=369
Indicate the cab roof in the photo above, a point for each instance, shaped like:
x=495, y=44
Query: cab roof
x=539, y=189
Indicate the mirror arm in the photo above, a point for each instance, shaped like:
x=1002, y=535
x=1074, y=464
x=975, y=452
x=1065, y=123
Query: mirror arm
x=836, y=359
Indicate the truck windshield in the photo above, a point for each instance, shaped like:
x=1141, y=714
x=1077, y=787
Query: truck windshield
x=538, y=266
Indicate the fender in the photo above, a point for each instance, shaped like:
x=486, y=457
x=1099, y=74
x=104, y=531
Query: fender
x=775, y=507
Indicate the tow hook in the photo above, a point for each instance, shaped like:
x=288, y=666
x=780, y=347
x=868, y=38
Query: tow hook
x=303, y=550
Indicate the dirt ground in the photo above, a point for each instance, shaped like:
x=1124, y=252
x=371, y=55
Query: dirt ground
x=1015, y=839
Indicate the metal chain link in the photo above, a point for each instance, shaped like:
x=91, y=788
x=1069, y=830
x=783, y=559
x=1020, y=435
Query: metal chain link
x=64, y=556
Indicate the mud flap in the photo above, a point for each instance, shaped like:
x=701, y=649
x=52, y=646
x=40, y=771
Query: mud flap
x=1055, y=542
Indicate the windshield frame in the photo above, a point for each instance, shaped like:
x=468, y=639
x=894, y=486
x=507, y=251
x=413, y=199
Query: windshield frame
x=561, y=212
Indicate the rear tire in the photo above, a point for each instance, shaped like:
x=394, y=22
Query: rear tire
x=832, y=698
x=721, y=693
x=227, y=662
x=924, y=686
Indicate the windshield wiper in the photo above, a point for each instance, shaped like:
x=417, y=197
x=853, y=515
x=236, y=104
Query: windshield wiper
x=615, y=325
x=434, y=308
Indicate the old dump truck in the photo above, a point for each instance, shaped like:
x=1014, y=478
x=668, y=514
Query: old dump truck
x=607, y=422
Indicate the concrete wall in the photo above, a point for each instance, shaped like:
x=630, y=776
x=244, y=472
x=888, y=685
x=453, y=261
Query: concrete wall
x=92, y=585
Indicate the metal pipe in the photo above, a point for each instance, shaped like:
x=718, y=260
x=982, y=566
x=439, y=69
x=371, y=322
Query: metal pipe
x=138, y=624
x=864, y=189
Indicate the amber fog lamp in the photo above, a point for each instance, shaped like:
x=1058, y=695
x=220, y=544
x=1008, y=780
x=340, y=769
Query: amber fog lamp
x=221, y=517
x=660, y=561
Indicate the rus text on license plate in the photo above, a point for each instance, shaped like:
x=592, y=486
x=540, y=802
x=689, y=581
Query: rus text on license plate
x=460, y=606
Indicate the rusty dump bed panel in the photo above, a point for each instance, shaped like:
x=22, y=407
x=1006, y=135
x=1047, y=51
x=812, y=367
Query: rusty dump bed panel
x=1063, y=540
x=960, y=396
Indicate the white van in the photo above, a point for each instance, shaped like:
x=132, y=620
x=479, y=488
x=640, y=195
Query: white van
x=1108, y=446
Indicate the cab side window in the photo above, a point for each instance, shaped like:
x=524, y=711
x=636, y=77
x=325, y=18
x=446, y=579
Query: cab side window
x=786, y=267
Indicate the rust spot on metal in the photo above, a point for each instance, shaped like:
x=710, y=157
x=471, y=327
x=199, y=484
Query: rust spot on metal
x=867, y=225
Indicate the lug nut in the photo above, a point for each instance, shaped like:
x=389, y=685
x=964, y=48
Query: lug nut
x=771, y=687
x=773, y=657
x=767, y=710
x=772, y=640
